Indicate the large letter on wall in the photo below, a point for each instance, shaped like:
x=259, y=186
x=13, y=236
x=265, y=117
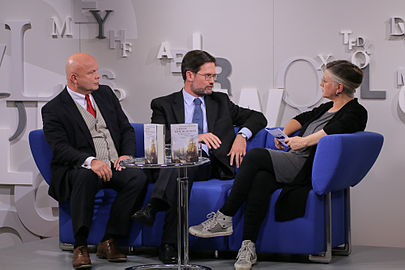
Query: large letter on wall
x=100, y=21
x=400, y=82
x=17, y=29
x=197, y=41
x=397, y=26
x=164, y=51
x=2, y=51
x=175, y=66
x=365, y=87
x=249, y=98
x=273, y=106
x=281, y=81
x=64, y=29
x=223, y=76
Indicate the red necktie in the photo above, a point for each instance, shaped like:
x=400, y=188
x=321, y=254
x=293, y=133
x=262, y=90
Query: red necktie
x=89, y=107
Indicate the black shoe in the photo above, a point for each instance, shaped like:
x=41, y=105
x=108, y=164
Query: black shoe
x=145, y=216
x=168, y=253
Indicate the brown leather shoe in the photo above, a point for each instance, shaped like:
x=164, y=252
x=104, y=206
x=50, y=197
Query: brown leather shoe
x=108, y=250
x=81, y=258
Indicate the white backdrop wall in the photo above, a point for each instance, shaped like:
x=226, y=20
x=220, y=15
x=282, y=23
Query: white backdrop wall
x=256, y=36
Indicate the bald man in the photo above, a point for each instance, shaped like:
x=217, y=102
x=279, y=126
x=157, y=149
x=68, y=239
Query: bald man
x=89, y=135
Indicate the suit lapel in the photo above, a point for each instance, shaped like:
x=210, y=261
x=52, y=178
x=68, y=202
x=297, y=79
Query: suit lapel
x=178, y=107
x=105, y=109
x=102, y=106
x=211, y=108
x=72, y=110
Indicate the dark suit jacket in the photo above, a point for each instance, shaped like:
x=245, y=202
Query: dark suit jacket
x=70, y=139
x=222, y=116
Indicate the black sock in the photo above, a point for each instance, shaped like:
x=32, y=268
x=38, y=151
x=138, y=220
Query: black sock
x=109, y=236
x=81, y=237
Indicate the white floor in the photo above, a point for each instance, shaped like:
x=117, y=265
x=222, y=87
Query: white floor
x=45, y=254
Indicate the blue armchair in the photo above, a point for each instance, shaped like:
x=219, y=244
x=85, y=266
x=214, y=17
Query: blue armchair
x=341, y=161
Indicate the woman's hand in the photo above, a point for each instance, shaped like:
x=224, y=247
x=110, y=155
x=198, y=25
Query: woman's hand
x=296, y=143
x=278, y=144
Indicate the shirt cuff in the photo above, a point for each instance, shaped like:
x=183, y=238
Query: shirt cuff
x=247, y=132
x=204, y=147
x=87, y=163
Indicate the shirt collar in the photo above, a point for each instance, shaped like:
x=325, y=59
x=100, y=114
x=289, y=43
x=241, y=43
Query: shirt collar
x=79, y=98
x=189, y=99
x=75, y=94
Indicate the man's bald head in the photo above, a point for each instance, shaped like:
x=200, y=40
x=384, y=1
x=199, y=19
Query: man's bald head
x=76, y=62
x=81, y=73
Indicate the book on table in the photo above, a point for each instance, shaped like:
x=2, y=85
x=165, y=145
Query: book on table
x=184, y=143
x=154, y=142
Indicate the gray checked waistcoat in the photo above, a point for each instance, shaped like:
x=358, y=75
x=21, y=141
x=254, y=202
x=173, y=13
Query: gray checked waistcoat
x=105, y=148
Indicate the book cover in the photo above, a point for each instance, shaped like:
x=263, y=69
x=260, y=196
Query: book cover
x=184, y=143
x=154, y=143
x=279, y=134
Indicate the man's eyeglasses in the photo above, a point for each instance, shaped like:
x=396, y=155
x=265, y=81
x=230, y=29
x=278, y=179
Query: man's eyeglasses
x=208, y=77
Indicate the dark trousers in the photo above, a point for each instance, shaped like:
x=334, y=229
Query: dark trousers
x=129, y=184
x=254, y=183
x=165, y=190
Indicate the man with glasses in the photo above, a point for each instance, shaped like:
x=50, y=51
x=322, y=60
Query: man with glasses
x=216, y=116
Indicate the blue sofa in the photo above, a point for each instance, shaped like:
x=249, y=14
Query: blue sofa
x=326, y=224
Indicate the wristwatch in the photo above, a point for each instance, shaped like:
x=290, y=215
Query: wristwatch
x=243, y=135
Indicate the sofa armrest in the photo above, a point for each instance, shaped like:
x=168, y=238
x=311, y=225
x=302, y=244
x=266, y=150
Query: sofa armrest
x=41, y=152
x=342, y=160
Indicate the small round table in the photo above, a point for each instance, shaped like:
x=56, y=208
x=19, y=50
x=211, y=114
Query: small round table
x=182, y=211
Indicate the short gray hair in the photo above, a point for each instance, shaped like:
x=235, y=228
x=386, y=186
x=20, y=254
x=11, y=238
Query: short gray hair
x=346, y=73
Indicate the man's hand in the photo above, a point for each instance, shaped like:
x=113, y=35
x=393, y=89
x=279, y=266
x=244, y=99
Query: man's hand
x=117, y=162
x=102, y=169
x=237, y=151
x=211, y=140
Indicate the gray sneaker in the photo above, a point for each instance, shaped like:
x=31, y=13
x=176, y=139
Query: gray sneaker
x=217, y=224
x=246, y=256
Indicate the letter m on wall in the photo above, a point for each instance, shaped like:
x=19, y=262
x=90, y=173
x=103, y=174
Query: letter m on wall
x=59, y=29
x=400, y=76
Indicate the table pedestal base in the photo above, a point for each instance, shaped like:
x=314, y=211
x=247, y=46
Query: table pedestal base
x=169, y=266
x=182, y=226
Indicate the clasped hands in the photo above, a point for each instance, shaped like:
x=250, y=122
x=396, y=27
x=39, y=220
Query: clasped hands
x=103, y=170
x=237, y=151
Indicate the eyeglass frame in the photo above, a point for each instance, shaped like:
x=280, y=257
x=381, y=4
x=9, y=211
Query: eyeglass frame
x=208, y=77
